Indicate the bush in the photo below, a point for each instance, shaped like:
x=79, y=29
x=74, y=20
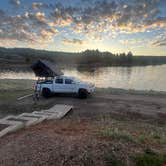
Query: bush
x=150, y=159
x=113, y=161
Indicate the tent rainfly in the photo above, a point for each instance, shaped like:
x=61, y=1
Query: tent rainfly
x=45, y=68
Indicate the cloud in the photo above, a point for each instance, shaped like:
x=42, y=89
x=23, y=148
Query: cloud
x=40, y=16
x=16, y=3
x=159, y=41
x=135, y=42
x=37, y=6
x=36, y=20
x=105, y=16
x=140, y=11
x=41, y=5
x=59, y=22
x=62, y=16
x=89, y=19
x=3, y=17
x=7, y=43
x=29, y=27
x=100, y=10
x=158, y=22
x=72, y=41
x=48, y=34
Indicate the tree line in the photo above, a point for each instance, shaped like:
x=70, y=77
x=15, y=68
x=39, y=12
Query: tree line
x=88, y=57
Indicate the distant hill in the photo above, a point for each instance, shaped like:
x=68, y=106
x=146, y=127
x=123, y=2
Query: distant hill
x=23, y=57
x=32, y=54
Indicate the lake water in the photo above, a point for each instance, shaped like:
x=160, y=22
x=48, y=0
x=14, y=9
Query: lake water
x=139, y=78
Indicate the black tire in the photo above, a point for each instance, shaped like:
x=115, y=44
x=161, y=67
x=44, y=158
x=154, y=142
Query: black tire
x=46, y=92
x=82, y=93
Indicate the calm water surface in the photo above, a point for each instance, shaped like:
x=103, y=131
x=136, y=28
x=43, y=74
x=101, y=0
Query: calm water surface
x=140, y=78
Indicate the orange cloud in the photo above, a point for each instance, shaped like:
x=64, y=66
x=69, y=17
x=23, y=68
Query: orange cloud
x=72, y=41
x=40, y=16
x=37, y=6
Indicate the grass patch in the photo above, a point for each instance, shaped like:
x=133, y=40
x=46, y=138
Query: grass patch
x=157, y=136
x=12, y=95
x=12, y=89
x=115, y=133
x=16, y=84
x=131, y=91
x=111, y=160
x=136, y=131
x=150, y=158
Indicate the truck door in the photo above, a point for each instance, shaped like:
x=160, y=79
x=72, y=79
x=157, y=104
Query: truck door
x=69, y=85
x=58, y=85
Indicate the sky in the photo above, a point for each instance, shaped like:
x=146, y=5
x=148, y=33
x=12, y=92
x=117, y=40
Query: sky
x=117, y=26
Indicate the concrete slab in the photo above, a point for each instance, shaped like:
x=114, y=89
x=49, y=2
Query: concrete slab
x=9, y=122
x=27, y=119
x=55, y=115
x=42, y=113
x=50, y=115
x=10, y=129
x=35, y=119
x=58, y=111
x=60, y=108
x=12, y=125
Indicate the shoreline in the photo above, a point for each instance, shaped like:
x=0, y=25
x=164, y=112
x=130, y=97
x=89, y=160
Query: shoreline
x=132, y=91
x=26, y=67
x=28, y=82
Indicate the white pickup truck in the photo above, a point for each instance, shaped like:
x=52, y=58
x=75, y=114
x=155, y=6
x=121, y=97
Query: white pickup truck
x=65, y=84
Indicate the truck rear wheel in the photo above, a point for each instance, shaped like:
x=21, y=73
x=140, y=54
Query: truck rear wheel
x=46, y=92
x=82, y=93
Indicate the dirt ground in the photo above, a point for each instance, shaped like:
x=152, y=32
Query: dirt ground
x=120, y=125
x=130, y=105
x=80, y=142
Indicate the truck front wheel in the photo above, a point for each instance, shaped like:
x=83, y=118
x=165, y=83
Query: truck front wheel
x=46, y=92
x=82, y=93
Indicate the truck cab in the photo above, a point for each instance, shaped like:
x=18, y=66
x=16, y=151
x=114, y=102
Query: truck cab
x=65, y=84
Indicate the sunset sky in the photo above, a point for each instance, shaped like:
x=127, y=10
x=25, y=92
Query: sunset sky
x=76, y=25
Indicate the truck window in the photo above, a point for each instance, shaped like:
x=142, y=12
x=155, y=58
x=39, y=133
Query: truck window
x=59, y=81
x=68, y=81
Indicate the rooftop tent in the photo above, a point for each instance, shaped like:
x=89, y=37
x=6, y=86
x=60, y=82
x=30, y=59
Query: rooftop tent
x=44, y=68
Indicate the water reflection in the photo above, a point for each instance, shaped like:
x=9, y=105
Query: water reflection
x=8, y=74
x=141, y=78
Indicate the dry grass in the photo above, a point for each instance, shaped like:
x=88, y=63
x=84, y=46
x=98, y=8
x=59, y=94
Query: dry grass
x=79, y=142
x=116, y=134
x=134, y=131
x=10, y=91
x=14, y=84
x=131, y=91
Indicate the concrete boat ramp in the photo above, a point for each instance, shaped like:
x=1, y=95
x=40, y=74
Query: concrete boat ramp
x=12, y=123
